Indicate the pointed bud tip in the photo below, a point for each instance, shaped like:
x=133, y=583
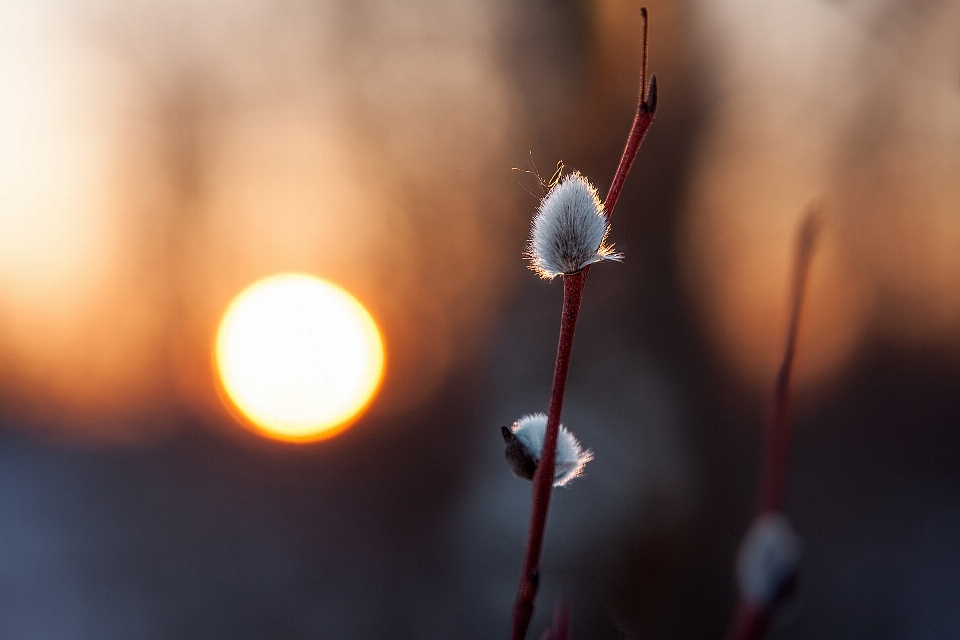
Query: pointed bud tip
x=650, y=101
x=521, y=460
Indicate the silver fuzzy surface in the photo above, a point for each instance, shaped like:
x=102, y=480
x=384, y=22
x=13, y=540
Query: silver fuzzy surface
x=569, y=229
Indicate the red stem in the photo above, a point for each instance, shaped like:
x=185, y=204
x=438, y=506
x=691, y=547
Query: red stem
x=561, y=623
x=572, y=294
x=543, y=478
x=776, y=455
x=646, y=109
x=750, y=620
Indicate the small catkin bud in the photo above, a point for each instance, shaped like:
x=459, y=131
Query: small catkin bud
x=768, y=560
x=569, y=229
x=524, y=442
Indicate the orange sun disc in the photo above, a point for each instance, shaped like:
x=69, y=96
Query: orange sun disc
x=299, y=357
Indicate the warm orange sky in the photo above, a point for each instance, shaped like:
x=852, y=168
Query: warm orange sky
x=156, y=158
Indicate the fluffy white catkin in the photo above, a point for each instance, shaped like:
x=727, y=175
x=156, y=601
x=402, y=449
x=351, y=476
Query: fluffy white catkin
x=570, y=457
x=768, y=560
x=569, y=229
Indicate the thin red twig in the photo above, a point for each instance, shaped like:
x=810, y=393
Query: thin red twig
x=543, y=478
x=572, y=294
x=750, y=619
x=646, y=109
x=561, y=623
x=776, y=455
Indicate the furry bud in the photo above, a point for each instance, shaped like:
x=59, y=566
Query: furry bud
x=524, y=442
x=569, y=229
x=768, y=560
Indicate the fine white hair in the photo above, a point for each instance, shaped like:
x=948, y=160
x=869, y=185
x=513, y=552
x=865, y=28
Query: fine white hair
x=768, y=560
x=570, y=457
x=569, y=229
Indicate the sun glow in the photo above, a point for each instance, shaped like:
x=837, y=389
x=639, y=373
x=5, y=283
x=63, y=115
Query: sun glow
x=299, y=357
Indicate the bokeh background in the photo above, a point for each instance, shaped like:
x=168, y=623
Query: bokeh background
x=156, y=157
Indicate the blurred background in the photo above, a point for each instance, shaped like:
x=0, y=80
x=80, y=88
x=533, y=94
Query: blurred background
x=158, y=157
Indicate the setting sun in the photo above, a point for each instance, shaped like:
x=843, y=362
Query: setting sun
x=298, y=356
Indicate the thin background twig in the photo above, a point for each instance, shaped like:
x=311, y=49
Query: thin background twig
x=750, y=619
